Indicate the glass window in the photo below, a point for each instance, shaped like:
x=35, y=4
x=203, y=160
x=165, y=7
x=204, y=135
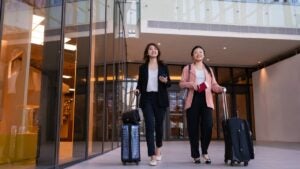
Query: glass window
x=29, y=76
x=241, y=105
x=132, y=71
x=224, y=76
x=97, y=100
x=74, y=94
x=250, y=71
x=239, y=76
x=176, y=115
x=175, y=72
x=109, y=108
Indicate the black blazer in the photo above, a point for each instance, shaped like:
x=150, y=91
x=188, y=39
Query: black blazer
x=163, y=99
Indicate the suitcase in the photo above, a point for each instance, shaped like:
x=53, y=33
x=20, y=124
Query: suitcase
x=130, y=144
x=237, y=137
x=130, y=135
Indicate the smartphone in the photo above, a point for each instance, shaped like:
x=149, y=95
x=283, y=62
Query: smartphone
x=163, y=75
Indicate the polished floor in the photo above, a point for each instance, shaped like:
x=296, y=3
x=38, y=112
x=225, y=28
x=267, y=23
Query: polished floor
x=176, y=154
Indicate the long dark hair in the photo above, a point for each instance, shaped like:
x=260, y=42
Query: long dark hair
x=192, y=53
x=146, y=56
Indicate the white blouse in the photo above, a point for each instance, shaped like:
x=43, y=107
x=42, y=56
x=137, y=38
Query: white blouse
x=152, y=85
x=200, y=76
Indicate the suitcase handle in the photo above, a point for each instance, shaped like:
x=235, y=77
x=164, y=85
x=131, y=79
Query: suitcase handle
x=132, y=96
x=225, y=107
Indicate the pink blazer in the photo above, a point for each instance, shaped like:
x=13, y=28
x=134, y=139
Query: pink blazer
x=213, y=86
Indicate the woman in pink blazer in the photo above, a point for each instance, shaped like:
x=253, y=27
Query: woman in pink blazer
x=200, y=81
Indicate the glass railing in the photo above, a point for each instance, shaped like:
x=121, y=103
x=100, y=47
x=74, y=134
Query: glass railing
x=209, y=14
x=283, y=2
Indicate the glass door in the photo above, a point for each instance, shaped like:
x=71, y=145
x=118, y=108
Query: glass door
x=29, y=78
x=74, y=97
x=176, y=117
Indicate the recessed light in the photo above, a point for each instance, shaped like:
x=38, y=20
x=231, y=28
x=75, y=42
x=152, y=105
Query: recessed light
x=67, y=77
x=259, y=62
x=224, y=47
x=158, y=43
x=207, y=59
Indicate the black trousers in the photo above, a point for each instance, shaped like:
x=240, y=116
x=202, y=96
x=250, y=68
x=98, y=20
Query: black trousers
x=154, y=117
x=197, y=114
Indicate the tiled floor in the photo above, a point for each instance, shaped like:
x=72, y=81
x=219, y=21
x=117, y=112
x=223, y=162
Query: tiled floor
x=177, y=155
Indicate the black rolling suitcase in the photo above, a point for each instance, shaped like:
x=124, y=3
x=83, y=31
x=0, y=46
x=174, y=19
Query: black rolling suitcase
x=130, y=137
x=130, y=145
x=237, y=137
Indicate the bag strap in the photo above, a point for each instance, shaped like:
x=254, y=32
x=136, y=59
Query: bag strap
x=189, y=72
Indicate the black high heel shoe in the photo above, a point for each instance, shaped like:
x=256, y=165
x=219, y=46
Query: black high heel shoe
x=197, y=160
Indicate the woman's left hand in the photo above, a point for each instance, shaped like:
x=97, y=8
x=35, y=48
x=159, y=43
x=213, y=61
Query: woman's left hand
x=163, y=79
x=223, y=89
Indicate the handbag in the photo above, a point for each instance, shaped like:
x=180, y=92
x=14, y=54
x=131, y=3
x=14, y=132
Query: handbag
x=131, y=116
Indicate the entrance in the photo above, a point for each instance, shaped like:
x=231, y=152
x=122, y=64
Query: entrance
x=238, y=101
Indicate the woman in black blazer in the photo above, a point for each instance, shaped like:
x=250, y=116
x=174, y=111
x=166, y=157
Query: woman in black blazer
x=152, y=85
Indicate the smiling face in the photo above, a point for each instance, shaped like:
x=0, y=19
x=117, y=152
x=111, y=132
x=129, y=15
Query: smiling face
x=152, y=51
x=198, y=55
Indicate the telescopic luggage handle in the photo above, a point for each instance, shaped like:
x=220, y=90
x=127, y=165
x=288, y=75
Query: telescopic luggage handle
x=225, y=108
x=132, y=96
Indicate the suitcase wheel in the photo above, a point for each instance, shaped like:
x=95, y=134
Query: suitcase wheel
x=137, y=163
x=225, y=161
x=246, y=163
x=231, y=163
x=124, y=163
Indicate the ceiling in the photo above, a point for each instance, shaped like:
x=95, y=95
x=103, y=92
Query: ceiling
x=239, y=52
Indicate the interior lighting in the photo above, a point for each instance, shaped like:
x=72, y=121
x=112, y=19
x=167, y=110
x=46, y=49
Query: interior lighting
x=37, y=36
x=67, y=40
x=67, y=77
x=38, y=30
x=36, y=20
x=70, y=47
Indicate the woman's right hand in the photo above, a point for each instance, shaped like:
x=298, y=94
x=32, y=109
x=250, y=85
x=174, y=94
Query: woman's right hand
x=195, y=86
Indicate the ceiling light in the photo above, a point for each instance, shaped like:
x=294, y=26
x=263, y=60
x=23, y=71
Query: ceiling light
x=158, y=43
x=224, y=48
x=67, y=40
x=208, y=59
x=70, y=47
x=67, y=77
x=259, y=62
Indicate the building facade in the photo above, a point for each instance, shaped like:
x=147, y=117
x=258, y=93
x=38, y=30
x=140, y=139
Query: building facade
x=65, y=78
